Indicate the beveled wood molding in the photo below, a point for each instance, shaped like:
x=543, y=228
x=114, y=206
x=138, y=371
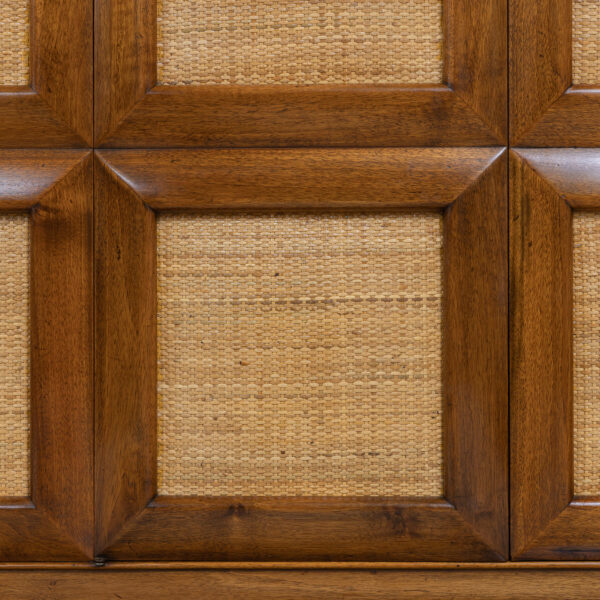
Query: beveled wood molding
x=469, y=185
x=469, y=109
x=426, y=582
x=56, y=522
x=55, y=110
x=548, y=521
x=546, y=110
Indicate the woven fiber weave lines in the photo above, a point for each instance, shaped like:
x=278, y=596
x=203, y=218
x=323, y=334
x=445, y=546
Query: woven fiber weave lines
x=586, y=41
x=14, y=355
x=300, y=354
x=299, y=42
x=14, y=42
x=586, y=351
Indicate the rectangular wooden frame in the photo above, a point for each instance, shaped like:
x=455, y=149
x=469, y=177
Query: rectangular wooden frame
x=548, y=522
x=545, y=108
x=56, y=522
x=469, y=523
x=55, y=110
x=469, y=109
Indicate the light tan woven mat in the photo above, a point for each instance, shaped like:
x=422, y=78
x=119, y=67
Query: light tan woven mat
x=14, y=355
x=14, y=42
x=300, y=354
x=299, y=42
x=586, y=41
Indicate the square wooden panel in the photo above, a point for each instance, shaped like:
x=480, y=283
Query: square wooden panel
x=555, y=429
x=237, y=73
x=46, y=74
x=46, y=509
x=554, y=73
x=187, y=241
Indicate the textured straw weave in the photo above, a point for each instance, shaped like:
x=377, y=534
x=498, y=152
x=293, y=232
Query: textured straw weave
x=14, y=42
x=14, y=355
x=586, y=351
x=300, y=354
x=299, y=41
x=586, y=41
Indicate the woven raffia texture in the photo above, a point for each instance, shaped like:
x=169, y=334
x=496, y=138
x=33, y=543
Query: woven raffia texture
x=299, y=41
x=14, y=355
x=586, y=41
x=586, y=351
x=14, y=42
x=300, y=354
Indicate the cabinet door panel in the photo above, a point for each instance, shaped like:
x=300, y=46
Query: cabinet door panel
x=301, y=354
x=180, y=73
x=45, y=355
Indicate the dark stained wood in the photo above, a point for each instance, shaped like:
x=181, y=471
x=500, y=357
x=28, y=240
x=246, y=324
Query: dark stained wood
x=540, y=354
x=125, y=354
x=26, y=120
x=131, y=112
x=26, y=174
x=125, y=58
x=574, y=173
x=280, y=116
x=476, y=55
x=573, y=120
x=62, y=61
x=295, y=528
x=56, y=110
x=57, y=523
x=463, y=583
x=476, y=355
x=540, y=62
x=299, y=529
x=202, y=179
x=61, y=357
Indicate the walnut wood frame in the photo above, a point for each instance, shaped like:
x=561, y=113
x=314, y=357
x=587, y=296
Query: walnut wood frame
x=468, y=110
x=548, y=522
x=545, y=108
x=55, y=110
x=56, y=522
x=469, y=523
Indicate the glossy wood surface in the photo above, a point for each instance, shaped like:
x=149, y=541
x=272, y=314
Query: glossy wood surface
x=472, y=525
x=55, y=110
x=469, y=110
x=57, y=522
x=541, y=354
x=274, y=584
x=254, y=178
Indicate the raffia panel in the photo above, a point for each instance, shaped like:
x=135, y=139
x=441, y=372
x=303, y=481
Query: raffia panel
x=299, y=42
x=586, y=41
x=586, y=351
x=14, y=42
x=300, y=354
x=14, y=355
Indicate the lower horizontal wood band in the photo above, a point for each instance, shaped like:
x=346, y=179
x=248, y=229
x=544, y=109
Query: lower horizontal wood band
x=464, y=583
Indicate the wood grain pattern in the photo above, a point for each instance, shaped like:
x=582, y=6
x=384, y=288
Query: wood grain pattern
x=572, y=120
x=476, y=355
x=295, y=528
x=266, y=584
x=57, y=110
x=574, y=173
x=131, y=112
x=281, y=116
x=541, y=354
x=299, y=529
x=25, y=175
x=125, y=354
x=204, y=179
x=57, y=523
x=539, y=62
